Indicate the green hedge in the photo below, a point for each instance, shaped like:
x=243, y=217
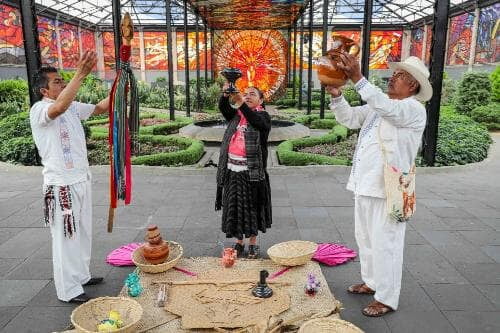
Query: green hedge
x=16, y=143
x=288, y=156
x=14, y=91
x=323, y=123
x=473, y=90
x=460, y=139
x=192, y=152
x=309, y=119
x=495, y=84
x=488, y=115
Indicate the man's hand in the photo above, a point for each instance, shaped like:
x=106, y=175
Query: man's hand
x=86, y=63
x=335, y=92
x=350, y=66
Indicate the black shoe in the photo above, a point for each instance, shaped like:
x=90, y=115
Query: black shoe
x=82, y=298
x=93, y=281
x=240, y=249
x=253, y=251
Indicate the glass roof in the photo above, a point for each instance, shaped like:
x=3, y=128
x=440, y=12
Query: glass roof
x=152, y=12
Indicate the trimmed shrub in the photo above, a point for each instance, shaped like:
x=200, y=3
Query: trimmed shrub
x=448, y=91
x=473, y=90
x=323, y=123
x=288, y=156
x=19, y=150
x=14, y=91
x=460, y=139
x=170, y=127
x=495, y=84
x=488, y=115
x=16, y=143
x=351, y=95
x=307, y=119
x=11, y=107
x=192, y=152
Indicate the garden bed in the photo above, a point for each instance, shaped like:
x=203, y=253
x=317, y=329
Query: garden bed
x=289, y=151
x=342, y=149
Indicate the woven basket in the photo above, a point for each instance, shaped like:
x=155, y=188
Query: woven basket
x=87, y=316
x=328, y=325
x=174, y=256
x=292, y=253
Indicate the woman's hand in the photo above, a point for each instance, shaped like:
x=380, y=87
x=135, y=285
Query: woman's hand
x=236, y=99
x=224, y=88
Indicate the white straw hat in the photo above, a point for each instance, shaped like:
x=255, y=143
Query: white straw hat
x=417, y=69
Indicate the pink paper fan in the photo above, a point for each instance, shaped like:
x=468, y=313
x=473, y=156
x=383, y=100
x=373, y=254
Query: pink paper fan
x=333, y=254
x=122, y=256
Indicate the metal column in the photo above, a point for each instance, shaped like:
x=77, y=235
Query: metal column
x=170, y=61
x=367, y=28
x=288, y=55
x=309, y=59
x=31, y=45
x=438, y=49
x=117, y=17
x=206, y=55
x=301, y=60
x=294, y=58
x=186, y=63
x=212, y=66
x=197, y=40
x=323, y=51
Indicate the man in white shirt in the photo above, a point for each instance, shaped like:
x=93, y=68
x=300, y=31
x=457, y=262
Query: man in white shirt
x=58, y=134
x=396, y=119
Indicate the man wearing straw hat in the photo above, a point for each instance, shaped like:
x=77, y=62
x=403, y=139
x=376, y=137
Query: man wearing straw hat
x=395, y=122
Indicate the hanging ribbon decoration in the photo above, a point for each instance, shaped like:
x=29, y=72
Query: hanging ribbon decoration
x=123, y=127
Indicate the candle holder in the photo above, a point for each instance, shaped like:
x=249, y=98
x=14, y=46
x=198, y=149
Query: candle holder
x=231, y=74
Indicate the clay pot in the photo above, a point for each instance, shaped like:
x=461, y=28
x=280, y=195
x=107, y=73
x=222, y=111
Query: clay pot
x=328, y=73
x=156, y=250
x=229, y=257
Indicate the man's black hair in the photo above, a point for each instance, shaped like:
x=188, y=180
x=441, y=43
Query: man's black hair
x=42, y=79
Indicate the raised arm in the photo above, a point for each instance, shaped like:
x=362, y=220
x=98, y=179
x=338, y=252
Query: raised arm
x=258, y=119
x=67, y=96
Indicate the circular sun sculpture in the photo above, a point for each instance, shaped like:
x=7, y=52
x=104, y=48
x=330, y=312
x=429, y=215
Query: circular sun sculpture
x=259, y=54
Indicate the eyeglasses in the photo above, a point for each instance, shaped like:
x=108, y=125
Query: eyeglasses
x=404, y=76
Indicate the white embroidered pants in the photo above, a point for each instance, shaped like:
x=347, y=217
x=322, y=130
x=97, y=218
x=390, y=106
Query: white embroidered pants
x=71, y=256
x=381, y=243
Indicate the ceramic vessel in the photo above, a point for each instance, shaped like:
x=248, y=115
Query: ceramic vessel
x=328, y=73
x=228, y=257
x=156, y=250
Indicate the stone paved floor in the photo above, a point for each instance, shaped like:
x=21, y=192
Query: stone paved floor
x=451, y=280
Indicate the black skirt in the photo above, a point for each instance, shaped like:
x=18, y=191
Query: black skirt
x=246, y=205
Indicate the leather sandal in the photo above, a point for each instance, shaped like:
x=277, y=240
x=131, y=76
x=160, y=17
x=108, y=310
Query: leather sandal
x=376, y=309
x=360, y=289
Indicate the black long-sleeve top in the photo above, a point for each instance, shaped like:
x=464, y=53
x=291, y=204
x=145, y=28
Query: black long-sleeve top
x=260, y=120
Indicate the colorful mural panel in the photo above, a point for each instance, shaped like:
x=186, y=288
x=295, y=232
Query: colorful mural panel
x=355, y=35
x=11, y=36
x=108, y=47
x=417, y=42
x=428, y=44
x=155, y=50
x=70, y=48
x=488, y=35
x=47, y=37
x=317, y=42
x=88, y=40
x=135, y=57
x=385, y=47
x=460, y=39
x=192, y=51
x=259, y=54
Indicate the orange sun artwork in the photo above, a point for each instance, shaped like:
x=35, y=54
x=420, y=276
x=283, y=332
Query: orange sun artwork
x=259, y=54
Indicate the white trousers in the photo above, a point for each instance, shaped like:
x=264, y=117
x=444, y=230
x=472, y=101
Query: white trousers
x=71, y=256
x=381, y=243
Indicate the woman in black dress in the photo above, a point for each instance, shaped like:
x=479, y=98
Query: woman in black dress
x=243, y=190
